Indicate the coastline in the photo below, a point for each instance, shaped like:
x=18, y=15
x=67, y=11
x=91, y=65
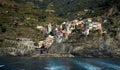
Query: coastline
x=34, y=54
x=67, y=55
x=70, y=56
x=53, y=55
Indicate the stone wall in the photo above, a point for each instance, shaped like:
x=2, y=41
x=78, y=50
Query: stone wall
x=21, y=46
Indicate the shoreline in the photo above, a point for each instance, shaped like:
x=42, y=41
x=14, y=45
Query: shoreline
x=13, y=52
x=62, y=56
x=53, y=55
x=70, y=56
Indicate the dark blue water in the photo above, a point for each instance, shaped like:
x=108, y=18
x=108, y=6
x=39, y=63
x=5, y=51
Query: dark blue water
x=26, y=63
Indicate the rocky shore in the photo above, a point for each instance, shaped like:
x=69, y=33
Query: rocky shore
x=86, y=53
x=52, y=55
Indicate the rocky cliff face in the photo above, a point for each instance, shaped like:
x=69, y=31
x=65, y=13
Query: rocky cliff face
x=89, y=47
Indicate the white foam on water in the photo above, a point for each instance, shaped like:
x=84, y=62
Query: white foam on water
x=55, y=65
x=116, y=67
x=86, y=65
x=2, y=66
x=56, y=68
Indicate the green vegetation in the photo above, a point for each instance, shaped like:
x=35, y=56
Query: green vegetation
x=19, y=18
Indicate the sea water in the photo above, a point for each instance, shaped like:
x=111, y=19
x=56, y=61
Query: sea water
x=28, y=63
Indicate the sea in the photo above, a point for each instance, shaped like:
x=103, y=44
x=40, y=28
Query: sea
x=49, y=63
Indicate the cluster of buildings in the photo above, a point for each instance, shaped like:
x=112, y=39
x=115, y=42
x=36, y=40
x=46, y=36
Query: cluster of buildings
x=60, y=33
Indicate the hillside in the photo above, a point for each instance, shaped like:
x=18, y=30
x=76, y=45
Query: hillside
x=19, y=18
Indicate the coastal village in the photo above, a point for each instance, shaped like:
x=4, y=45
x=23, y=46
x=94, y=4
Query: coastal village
x=60, y=33
x=63, y=34
x=30, y=28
